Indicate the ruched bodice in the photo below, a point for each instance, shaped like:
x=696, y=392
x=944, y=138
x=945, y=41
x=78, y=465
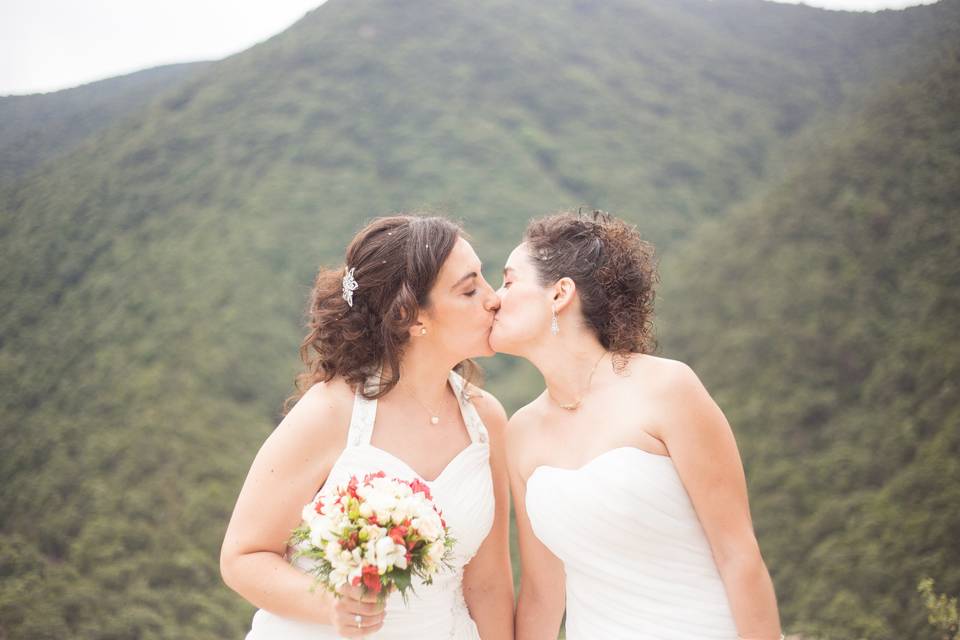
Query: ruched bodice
x=463, y=491
x=638, y=564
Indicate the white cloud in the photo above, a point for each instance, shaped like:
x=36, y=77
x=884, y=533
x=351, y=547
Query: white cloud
x=858, y=5
x=47, y=45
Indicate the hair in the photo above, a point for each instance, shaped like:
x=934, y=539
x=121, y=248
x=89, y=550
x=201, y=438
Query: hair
x=613, y=269
x=396, y=260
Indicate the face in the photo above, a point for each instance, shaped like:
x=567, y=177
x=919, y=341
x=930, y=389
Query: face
x=524, y=315
x=462, y=306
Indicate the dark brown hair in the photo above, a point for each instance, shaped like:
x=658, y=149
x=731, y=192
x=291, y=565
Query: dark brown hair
x=396, y=261
x=613, y=269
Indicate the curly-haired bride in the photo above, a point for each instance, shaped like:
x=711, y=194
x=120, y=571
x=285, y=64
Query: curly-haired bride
x=390, y=334
x=630, y=497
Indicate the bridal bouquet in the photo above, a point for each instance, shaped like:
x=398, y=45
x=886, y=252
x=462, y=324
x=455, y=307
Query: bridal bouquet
x=378, y=532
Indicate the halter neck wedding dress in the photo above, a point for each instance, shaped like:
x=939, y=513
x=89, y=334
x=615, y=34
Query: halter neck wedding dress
x=463, y=491
x=637, y=561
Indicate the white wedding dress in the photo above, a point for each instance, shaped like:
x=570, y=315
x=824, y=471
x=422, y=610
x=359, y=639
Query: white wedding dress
x=464, y=493
x=637, y=561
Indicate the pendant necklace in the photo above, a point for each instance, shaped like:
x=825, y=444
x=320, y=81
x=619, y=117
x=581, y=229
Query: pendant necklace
x=434, y=415
x=573, y=406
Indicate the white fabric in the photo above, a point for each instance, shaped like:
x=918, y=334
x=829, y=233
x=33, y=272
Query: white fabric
x=638, y=564
x=464, y=493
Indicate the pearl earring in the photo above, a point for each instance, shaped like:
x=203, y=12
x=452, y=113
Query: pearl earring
x=423, y=331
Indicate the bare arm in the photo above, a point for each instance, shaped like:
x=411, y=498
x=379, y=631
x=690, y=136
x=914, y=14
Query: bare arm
x=704, y=451
x=286, y=473
x=542, y=598
x=487, y=579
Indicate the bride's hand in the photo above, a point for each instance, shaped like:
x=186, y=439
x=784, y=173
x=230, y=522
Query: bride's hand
x=355, y=615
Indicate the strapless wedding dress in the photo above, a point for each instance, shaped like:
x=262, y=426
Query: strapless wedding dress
x=637, y=561
x=463, y=491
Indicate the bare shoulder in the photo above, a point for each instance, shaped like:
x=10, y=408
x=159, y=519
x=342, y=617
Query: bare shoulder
x=654, y=375
x=490, y=409
x=679, y=401
x=524, y=422
x=322, y=413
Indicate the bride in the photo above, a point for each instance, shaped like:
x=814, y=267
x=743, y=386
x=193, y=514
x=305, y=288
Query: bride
x=386, y=334
x=629, y=492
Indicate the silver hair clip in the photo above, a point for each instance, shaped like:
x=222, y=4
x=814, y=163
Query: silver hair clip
x=349, y=286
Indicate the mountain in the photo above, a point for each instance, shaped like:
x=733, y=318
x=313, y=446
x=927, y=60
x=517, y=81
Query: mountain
x=35, y=128
x=823, y=318
x=153, y=277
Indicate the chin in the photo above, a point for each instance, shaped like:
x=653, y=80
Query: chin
x=498, y=344
x=487, y=352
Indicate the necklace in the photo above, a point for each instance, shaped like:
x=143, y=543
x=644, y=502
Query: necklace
x=573, y=406
x=434, y=415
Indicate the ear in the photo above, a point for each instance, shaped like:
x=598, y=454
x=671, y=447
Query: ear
x=564, y=290
x=421, y=327
x=418, y=330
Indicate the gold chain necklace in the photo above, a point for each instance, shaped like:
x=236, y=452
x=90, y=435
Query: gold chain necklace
x=573, y=406
x=434, y=415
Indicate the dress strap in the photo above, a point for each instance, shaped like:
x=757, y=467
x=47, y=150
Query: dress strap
x=471, y=418
x=362, y=419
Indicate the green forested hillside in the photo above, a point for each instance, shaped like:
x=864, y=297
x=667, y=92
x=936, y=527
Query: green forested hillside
x=152, y=280
x=35, y=128
x=824, y=319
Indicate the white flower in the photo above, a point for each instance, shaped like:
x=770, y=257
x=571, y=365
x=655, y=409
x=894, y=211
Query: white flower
x=333, y=549
x=428, y=525
x=320, y=531
x=374, y=532
x=390, y=553
x=309, y=512
x=435, y=552
x=366, y=510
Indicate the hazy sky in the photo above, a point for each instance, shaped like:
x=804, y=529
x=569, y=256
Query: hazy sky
x=46, y=45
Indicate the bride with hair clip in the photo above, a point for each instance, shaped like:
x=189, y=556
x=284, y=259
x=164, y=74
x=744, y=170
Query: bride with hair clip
x=386, y=388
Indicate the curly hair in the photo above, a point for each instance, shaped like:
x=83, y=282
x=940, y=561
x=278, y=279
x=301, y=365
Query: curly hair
x=396, y=260
x=612, y=267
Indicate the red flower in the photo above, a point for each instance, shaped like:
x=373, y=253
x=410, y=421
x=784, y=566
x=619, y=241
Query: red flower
x=371, y=579
x=370, y=476
x=373, y=519
x=319, y=507
x=398, y=533
x=419, y=486
x=352, y=486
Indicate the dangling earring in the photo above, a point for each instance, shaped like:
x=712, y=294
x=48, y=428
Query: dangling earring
x=554, y=323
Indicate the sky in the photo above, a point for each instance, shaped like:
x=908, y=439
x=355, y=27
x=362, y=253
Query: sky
x=48, y=45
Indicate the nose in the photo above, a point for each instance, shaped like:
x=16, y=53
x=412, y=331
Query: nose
x=492, y=301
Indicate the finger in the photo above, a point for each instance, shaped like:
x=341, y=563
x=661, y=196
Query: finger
x=353, y=607
x=349, y=591
x=371, y=629
x=347, y=624
x=349, y=619
x=357, y=594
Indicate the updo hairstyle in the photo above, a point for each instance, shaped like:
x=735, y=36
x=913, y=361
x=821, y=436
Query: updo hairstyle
x=612, y=267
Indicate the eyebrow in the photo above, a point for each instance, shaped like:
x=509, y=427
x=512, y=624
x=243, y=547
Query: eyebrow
x=472, y=274
x=506, y=269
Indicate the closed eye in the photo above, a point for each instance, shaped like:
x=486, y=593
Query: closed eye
x=470, y=293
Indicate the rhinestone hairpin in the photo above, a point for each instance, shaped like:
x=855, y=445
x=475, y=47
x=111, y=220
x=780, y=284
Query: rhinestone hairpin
x=349, y=286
